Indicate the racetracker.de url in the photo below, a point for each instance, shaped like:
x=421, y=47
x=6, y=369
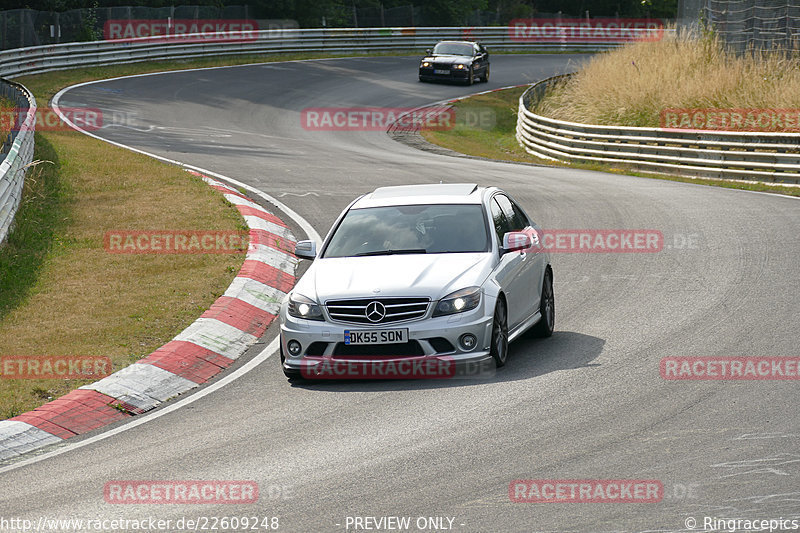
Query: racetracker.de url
x=147, y=523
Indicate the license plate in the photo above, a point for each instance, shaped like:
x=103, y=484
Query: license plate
x=438, y=71
x=376, y=336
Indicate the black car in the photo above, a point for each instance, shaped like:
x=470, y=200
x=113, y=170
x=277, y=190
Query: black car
x=462, y=61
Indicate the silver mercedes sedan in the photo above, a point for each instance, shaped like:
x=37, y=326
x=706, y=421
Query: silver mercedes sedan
x=418, y=281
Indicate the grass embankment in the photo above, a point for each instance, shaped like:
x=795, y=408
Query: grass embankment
x=630, y=86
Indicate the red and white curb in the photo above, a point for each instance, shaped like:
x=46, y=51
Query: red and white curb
x=212, y=343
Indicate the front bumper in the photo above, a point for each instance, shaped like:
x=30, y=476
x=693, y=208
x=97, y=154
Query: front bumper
x=433, y=350
x=428, y=74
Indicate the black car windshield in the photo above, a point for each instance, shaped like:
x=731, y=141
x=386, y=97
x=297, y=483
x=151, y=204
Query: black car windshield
x=454, y=49
x=410, y=229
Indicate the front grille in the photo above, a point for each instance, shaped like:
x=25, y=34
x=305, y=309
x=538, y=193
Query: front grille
x=393, y=309
x=442, y=66
x=406, y=349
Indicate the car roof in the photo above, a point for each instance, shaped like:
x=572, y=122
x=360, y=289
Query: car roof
x=429, y=193
x=457, y=42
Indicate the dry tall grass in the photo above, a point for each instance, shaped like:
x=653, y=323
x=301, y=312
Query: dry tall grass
x=630, y=86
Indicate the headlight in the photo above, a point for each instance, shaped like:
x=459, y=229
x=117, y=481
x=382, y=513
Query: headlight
x=426, y=64
x=302, y=307
x=460, y=67
x=459, y=301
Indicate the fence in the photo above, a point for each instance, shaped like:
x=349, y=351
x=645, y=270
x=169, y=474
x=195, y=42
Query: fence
x=765, y=156
x=745, y=24
x=29, y=27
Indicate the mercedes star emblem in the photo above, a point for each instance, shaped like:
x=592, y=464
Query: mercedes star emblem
x=375, y=311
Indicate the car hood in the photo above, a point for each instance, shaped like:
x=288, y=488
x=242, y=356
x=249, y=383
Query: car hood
x=449, y=59
x=433, y=275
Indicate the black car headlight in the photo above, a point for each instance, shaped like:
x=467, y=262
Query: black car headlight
x=303, y=307
x=458, y=302
x=461, y=67
x=425, y=64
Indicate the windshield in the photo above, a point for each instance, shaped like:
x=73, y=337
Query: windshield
x=454, y=49
x=410, y=229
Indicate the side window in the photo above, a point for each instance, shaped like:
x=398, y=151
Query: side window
x=499, y=220
x=517, y=219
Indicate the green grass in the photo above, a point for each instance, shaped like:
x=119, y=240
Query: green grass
x=42, y=213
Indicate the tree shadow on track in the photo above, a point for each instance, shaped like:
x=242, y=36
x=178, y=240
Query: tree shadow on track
x=528, y=358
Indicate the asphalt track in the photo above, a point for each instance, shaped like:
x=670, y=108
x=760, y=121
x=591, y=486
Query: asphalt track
x=588, y=403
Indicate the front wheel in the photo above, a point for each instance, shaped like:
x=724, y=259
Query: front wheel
x=547, y=308
x=485, y=77
x=499, y=348
x=470, y=76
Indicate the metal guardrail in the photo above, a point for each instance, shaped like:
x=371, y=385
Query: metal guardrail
x=765, y=156
x=17, y=153
x=61, y=56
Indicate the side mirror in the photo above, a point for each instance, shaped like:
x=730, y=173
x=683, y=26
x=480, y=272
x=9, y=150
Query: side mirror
x=428, y=51
x=515, y=241
x=305, y=249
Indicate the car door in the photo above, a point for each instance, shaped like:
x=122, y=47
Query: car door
x=484, y=55
x=532, y=270
x=477, y=63
x=509, y=272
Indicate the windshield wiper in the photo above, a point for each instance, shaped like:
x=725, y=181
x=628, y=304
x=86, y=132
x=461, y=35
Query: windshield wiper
x=394, y=252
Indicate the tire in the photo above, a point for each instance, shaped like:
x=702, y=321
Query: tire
x=499, y=349
x=547, y=308
x=485, y=78
x=471, y=78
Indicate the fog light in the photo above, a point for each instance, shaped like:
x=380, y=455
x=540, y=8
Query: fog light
x=468, y=341
x=294, y=348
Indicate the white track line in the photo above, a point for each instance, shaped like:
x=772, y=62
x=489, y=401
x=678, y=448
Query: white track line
x=268, y=351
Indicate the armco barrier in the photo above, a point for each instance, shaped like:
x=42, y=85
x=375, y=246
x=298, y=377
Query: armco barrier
x=765, y=156
x=336, y=40
x=17, y=152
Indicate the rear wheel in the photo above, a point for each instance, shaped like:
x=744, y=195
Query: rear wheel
x=547, y=308
x=499, y=349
